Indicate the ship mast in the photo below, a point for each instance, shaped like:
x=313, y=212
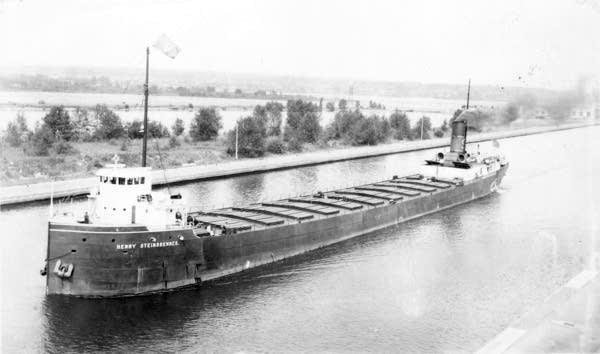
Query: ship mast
x=468, y=92
x=145, y=110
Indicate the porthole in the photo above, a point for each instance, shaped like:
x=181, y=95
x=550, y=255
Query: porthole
x=84, y=239
x=113, y=240
x=73, y=251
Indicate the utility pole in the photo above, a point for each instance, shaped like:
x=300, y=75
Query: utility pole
x=236, y=139
x=145, y=143
x=422, y=121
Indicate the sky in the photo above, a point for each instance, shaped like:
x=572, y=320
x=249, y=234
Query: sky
x=509, y=43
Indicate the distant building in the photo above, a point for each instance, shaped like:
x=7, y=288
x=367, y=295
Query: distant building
x=585, y=113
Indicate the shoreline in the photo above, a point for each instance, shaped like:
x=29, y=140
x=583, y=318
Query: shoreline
x=19, y=194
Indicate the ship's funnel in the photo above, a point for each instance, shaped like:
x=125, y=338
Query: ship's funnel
x=458, y=142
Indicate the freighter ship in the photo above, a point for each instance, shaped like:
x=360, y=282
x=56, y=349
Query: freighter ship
x=133, y=241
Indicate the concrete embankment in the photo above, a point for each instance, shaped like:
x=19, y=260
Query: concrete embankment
x=81, y=186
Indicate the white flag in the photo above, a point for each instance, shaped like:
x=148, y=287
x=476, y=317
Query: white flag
x=167, y=46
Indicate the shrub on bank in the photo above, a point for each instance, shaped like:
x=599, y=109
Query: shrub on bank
x=58, y=120
x=61, y=146
x=174, y=142
x=83, y=127
x=400, y=124
x=41, y=141
x=271, y=114
x=17, y=133
x=110, y=125
x=252, y=135
x=356, y=129
x=135, y=129
x=422, y=128
x=206, y=124
x=302, y=122
x=275, y=145
x=157, y=130
x=178, y=127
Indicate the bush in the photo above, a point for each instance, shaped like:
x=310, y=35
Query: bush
x=342, y=104
x=275, y=145
x=356, y=129
x=125, y=144
x=135, y=129
x=17, y=132
x=271, y=115
x=438, y=133
x=426, y=128
x=252, y=135
x=444, y=126
x=174, y=142
x=157, y=130
x=370, y=131
x=330, y=106
x=58, y=120
x=61, y=146
x=83, y=128
x=274, y=110
x=302, y=122
x=294, y=145
x=109, y=124
x=178, y=127
x=205, y=125
x=41, y=141
x=343, y=123
x=400, y=125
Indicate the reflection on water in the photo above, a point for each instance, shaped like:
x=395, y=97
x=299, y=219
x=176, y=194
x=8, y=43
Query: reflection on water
x=444, y=282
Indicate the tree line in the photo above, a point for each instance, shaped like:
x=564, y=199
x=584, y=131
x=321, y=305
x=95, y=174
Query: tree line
x=260, y=132
x=59, y=128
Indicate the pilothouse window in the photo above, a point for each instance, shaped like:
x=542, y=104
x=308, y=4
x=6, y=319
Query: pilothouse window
x=143, y=180
x=136, y=180
x=113, y=180
x=121, y=180
x=129, y=181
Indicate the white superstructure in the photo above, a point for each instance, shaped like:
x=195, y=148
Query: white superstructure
x=124, y=196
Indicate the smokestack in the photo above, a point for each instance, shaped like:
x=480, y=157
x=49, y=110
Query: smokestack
x=458, y=142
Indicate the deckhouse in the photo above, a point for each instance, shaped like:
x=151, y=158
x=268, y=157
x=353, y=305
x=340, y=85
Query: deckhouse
x=124, y=196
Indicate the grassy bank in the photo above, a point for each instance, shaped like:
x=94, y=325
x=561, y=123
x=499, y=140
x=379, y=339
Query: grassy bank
x=17, y=167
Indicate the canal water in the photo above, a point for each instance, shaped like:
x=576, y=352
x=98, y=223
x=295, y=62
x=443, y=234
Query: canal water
x=444, y=282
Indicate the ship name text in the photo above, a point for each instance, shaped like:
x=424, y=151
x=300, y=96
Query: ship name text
x=129, y=246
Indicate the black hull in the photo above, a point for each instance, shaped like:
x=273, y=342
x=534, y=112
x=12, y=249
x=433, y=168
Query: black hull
x=178, y=258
